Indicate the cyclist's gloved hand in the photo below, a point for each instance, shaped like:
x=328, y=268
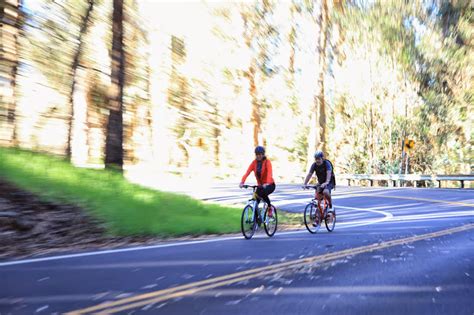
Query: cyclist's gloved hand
x=323, y=185
x=265, y=185
x=241, y=185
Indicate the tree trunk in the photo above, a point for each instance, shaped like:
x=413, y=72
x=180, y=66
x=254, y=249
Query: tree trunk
x=217, y=137
x=149, y=113
x=74, y=66
x=318, y=115
x=10, y=18
x=321, y=102
x=292, y=42
x=255, y=118
x=250, y=32
x=114, y=136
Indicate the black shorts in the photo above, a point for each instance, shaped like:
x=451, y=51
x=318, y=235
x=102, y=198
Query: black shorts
x=329, y=187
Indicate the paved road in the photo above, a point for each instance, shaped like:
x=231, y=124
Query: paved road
x=393, y=251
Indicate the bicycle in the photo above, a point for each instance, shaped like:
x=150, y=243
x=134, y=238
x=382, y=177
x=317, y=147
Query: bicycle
x=253, y=213
x=313, y=217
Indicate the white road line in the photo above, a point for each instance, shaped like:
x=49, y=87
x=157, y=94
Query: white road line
x=351, y=216
x=304, y=201
x=305, y=196
x=313, y=290
x=301, y=202
x=325, y=290
x=113, y=251
x=386, y=216
x=446, y=214
x=404, y=206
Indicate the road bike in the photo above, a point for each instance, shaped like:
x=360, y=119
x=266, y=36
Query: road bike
x=316, y=211
x=255, y=214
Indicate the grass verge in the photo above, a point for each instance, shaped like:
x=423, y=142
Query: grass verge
x=126, y=208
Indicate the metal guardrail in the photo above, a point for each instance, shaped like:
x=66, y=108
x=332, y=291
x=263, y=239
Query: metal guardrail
x=394, y=178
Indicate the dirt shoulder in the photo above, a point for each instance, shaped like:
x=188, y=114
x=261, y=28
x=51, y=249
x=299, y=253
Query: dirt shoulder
x=32, y=227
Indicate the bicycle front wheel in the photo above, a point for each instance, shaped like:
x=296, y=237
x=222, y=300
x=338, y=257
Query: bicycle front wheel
x=312, y=218
x=270, y=223
x=248, y=223
x=330, y=220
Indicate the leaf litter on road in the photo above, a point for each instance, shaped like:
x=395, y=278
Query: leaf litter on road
x=42, y=308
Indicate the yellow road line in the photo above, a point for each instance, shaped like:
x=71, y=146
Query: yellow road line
x=457, y=203
x=191, y=288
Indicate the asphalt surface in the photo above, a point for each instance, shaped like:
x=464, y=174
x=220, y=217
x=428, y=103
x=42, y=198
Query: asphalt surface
x=393, y=251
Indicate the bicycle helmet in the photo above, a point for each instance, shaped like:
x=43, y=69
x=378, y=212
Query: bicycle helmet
x=259, y=149
x=319, y=154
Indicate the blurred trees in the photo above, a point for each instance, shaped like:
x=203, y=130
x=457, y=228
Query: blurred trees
x=318, y=126
x=114, y=135
x=55, y=44
x=115, y=84
x=257, y=32
x=442, y=64
x=425, y=44
x=179, y=97
x=10, y=31
x=75, y=64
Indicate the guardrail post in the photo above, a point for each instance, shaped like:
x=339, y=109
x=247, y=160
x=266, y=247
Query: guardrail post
x=439, y=184
x=371, y=182
x=462, y=184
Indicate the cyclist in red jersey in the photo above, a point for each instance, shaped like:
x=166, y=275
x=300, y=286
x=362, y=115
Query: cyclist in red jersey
x=262, y=167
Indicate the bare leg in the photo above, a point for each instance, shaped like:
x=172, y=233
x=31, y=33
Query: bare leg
x=327, y=194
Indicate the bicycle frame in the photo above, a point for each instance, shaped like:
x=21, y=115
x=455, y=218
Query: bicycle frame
x=320, y=201
x=254, y=202
x=250, y=223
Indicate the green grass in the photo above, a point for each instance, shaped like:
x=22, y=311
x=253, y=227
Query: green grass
x=126, y=208
x=293, y=220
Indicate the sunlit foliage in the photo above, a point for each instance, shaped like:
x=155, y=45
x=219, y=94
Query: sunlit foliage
x=205, y=82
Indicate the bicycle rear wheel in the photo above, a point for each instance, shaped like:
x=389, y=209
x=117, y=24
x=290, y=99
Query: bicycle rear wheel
x=270, y=224
x=312, y=218
x=330, y=220
x=247, y=222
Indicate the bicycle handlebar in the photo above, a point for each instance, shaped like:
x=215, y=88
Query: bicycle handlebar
x=312, y=186
x=250, y=186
